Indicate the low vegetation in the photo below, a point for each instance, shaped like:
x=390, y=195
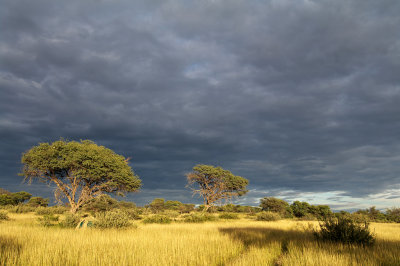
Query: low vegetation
x=241, y=241
x=157, y=219
x=268, y=216
x=112, y=219
x=346, y=231
x=167, y=232
x=4, y=215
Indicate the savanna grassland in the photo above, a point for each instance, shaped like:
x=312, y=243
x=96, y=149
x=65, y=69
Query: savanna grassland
x=224, y=242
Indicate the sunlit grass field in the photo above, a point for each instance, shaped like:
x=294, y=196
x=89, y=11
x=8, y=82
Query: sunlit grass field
x=226, y=242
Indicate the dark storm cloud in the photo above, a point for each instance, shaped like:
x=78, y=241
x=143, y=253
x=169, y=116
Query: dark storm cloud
x=298, y=96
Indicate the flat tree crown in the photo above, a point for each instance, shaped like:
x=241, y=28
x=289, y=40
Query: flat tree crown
x=214, y=174
x=214, y=183
x=83, y=167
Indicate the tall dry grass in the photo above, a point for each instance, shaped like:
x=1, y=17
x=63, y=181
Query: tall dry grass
x=235, y=242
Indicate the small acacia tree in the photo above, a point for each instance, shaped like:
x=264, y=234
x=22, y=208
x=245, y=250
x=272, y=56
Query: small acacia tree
x=215, y=184
x=80, y=170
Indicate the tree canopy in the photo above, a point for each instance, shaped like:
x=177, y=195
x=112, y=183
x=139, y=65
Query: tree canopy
x=275, y=205
x=80, y=170
x=8, y=198
x=215, y=184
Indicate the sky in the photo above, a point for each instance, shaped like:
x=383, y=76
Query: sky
x=300, y=97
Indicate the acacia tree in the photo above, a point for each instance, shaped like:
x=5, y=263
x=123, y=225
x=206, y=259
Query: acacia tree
x=215, y=184
x=80, y=170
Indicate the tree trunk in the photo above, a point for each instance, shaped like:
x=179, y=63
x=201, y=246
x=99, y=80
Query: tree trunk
x=74, y=208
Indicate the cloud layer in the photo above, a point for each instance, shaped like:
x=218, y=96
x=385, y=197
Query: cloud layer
x=296, y=96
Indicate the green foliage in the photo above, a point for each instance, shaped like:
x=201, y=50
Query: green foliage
x=346, y=231
x=112, y=219
x=359, y=217
x=70, y=221
x=51, y=210
x=21, y=208
x=307, y=217
x=173, y=205
x=159, y=219
x=393, y=215
x=186, y=208
x=171, y=213
x=229, y=215
x=199, y=218
x=48, y=220
x=126, y=205
x=300, y=209
x=133, y=214
x=79, y=166
x=101, y=203
x=4, y=216
x=280, y=206
x=238, y=208
x=157, y=205
x=8, y=198
x=214, y=184
x=320, y=211
x=268, y=216
x=38, y=202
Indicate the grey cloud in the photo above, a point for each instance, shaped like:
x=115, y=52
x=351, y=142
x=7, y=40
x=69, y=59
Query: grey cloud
x=293, y=95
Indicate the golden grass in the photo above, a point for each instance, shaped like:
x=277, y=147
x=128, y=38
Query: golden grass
x=238, y=242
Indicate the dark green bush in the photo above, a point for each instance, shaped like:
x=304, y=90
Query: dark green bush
x=4, y=216
x=48, y=220
x=70, y=221
x=393, y=215
x=158, y=219
x=345, y=230
x=112, y=219
x=229, y=215
x=268, y=216
x=38, y=202
x=199, y=218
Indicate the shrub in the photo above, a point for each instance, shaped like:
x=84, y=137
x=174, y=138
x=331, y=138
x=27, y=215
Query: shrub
x=4, y=216
x=198, y=218
x=22, y=209
x=48, y=220
x=345, y=230
x=228, y=215
x=393, y=215
x=70, y=221
x=359, y=217
x=112, y=219
x=308, y=217
x=38, y=201
x=132, y=214
x=268, y=216
x=158, y=219
x=171, y=213
x=50, y=210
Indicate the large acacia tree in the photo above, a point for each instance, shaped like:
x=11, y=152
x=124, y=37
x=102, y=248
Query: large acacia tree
x=215, y=184
x=80, y=170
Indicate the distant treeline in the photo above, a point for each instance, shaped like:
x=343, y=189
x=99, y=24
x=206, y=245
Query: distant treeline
x=24, y=202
